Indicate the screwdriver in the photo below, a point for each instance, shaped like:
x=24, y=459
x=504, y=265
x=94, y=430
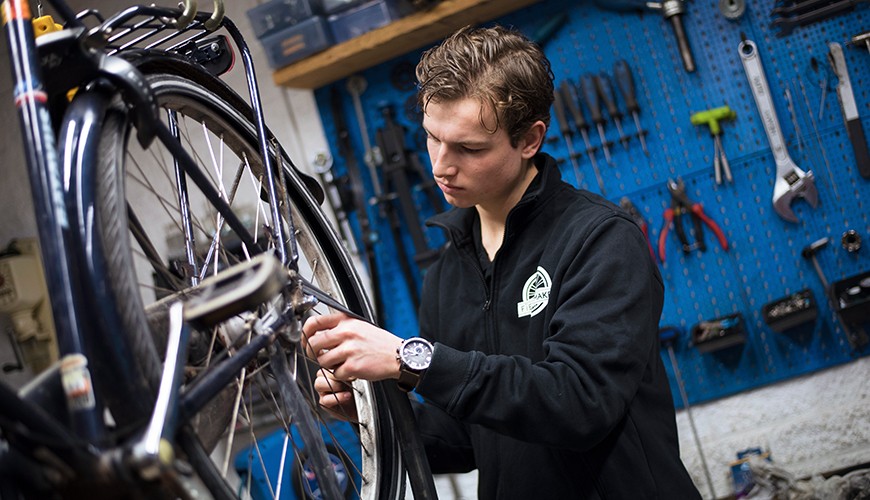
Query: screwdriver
x=587, y=82
x=566, y=132
x=569, y=94
x=625, y=80
x=605, y=92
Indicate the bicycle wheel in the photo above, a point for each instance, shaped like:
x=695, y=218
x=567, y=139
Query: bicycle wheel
x=162, y=237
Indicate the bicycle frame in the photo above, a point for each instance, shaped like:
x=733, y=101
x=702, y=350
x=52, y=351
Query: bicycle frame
x=64, y=201
x=56, y=235
x=84, y=311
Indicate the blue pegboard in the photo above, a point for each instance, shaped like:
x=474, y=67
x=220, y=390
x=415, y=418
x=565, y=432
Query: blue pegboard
x=764, y=261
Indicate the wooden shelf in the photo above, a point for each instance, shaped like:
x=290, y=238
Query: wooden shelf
x=397, y=38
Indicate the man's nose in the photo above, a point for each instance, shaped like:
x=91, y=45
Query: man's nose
x=442, y=165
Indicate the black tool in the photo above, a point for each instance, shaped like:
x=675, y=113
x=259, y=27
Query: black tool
x=559, y=107
x=849, y=107
x=354, y=199
x=805, y=13
x=569, y=95
x=545, y=32
x=400, y=166
x=673, y=11
x=625, y=81
x=853, y=302
x=857, y=337
x=590, y=94
x=605, y=92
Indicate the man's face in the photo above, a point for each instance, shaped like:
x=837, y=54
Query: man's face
x=472, y=166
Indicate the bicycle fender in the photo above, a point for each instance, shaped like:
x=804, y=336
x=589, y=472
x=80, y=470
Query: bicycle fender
x=137, y=92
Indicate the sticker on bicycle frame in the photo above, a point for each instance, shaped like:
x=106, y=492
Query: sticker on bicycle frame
x=536, y=294
x=12, y=10
x=76, y=381
x=54, y=178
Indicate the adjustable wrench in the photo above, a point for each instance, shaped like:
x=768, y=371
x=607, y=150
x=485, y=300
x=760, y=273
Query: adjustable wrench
x=791, y=182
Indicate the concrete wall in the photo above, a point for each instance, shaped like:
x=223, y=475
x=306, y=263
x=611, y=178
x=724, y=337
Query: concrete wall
x=816, y=423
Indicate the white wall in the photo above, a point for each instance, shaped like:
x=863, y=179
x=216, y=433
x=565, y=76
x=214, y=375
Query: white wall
x=816, y=423
x=288, y=111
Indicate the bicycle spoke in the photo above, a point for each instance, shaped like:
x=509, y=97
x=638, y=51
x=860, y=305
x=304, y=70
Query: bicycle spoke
x=269, y=394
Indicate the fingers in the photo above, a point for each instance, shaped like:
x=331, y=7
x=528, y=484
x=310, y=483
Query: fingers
x=327, y=381
x=335, y=395
x=314, y=332
x=321, y=322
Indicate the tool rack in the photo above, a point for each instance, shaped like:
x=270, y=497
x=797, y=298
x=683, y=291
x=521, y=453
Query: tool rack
x=764, y=262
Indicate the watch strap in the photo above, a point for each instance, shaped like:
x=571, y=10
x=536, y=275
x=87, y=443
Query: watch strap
x=408, y=379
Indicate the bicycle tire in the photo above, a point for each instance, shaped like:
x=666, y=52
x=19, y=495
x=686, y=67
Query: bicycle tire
x=207, y=102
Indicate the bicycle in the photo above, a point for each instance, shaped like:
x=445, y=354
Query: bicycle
x=171, y=346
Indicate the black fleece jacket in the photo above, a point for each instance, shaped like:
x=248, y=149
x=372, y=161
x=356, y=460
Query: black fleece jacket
x=546, y=377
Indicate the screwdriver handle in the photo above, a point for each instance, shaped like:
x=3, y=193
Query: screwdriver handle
x=559, y=107
x=605, y=93
x=587, y=82
x=625, y=80
x=569, y=94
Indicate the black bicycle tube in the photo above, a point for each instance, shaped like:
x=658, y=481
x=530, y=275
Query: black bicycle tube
x=80, y=134
x=57, y=238
x=195, y=397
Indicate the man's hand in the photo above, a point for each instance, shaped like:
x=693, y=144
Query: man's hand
x=335, y=395
x=351, y=348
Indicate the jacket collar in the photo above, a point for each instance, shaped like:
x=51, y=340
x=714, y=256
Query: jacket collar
x=457, y=222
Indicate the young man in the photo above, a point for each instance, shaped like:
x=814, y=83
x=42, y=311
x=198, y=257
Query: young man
x=543, y=371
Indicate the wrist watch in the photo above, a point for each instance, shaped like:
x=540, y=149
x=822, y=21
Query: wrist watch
x=414, y=356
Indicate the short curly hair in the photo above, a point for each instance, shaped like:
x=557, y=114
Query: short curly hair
x=497, y=65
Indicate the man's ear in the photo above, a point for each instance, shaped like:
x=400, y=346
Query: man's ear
x=533, y=138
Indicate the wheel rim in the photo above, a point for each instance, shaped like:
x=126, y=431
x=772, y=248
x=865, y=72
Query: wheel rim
x=221, y=141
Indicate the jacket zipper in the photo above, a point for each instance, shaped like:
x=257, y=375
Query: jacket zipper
x=487, y=302
x=489, y=331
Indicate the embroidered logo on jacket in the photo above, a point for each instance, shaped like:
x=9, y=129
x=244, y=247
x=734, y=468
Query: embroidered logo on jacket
x=536, y=294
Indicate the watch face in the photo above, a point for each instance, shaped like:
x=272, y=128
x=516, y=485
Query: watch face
x=417, y=354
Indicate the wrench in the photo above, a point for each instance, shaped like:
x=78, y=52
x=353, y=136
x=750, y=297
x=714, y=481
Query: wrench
x=791, y=182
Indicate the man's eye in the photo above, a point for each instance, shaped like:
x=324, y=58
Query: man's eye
x=471, y=150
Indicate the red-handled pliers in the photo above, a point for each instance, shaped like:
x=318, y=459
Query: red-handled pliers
x=629, y=207
x=680, y=204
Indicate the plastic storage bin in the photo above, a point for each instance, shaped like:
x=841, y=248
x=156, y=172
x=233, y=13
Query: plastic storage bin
x=336, y=6
x=366, y=17
x=296, y=42
x=276, y=15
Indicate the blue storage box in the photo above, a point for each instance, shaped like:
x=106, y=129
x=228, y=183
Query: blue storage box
x=275, y=15
x=367, y=17
x=297, y=42
x=336, y=6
